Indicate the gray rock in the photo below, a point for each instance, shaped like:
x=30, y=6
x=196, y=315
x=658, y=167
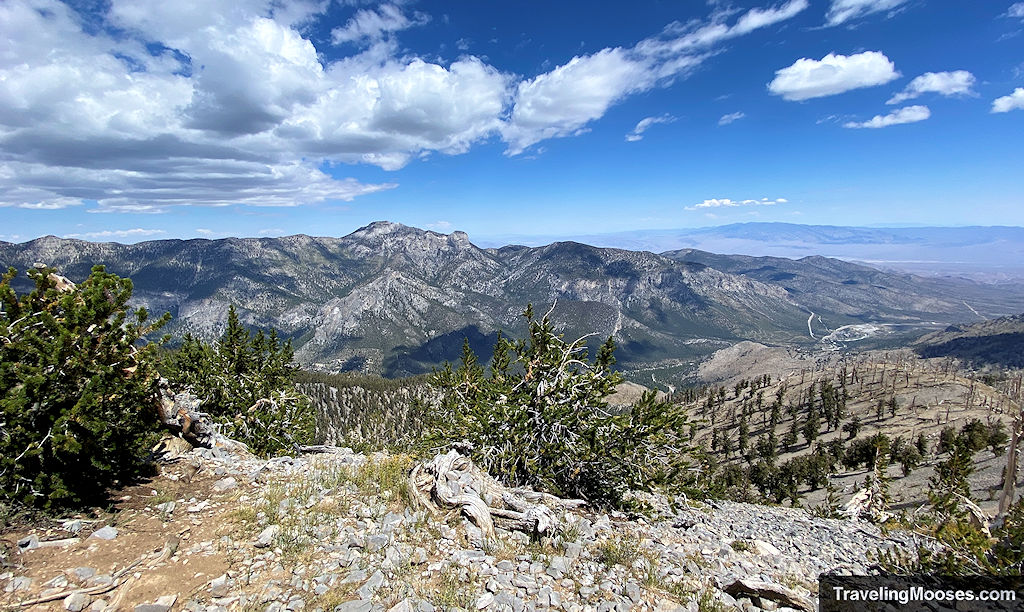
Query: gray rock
x=28, y=543
x=76, y=602
x=99, y=580
x=166, y=507
x=403, y=606
x=484, y=601
x=267, y=536
x=225, y=484
x=18, y=583
x=105, y=533
x=154, y=607
x=354, y=576
x=83, y=573
x=74, y=526
x=220, y=586
x=363, y=605
x=370, y=586
x=376, y=542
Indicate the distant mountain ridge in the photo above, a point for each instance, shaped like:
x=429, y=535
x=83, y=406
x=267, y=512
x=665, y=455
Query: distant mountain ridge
x=397, y=300
x=989, y=253
x=998, y=342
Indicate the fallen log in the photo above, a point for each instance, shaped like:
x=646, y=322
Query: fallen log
x=453, y=481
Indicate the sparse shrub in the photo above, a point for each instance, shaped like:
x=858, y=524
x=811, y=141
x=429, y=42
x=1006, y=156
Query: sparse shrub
x=244, y=382
x=540, y=418
x=617, y=551
x=77, y=387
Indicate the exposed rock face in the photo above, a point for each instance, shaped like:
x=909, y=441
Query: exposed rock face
x=397, y=300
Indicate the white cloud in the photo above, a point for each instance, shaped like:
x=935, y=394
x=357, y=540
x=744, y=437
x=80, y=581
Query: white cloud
x=1005, y=104
x=908, y=114
x=152, y=105
x=831, y=75
x=727, y=203
x=440, y=226
x=956, y=83
x=128, y=233
x=731, y=117
x=563, y=101
x=644, y=124
x=1016, y=10
x=370, y=25
x=842, y=11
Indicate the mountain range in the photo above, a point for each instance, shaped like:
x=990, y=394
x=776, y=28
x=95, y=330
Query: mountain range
x=397, y=300
x=986, y=253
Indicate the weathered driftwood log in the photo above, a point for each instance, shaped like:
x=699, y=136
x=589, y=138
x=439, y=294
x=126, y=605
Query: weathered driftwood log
x=452, y=481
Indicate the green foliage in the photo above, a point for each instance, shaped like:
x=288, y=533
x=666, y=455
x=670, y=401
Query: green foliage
x=76, y=389
x=949, y=485
x=966, y=550
x=866, y=451
x=852, y=428
x=245, y=383
x=539, y=417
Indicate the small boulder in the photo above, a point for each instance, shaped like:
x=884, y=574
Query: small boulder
x=105, y=533
x=76, y=602
x=267, y=536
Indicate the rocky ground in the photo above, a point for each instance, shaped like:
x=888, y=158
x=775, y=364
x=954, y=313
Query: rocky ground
x=221, y=530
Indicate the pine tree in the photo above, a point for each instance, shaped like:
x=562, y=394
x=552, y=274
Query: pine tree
x=812, y=425
x=244, y=382
x=541, y=419
x=77, y=388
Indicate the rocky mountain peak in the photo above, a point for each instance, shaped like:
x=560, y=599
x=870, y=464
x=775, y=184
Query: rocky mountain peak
x=379, y=227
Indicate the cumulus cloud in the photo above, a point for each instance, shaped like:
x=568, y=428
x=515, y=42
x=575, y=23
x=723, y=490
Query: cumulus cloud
x=831, y=75
x=956, y=83
x=644, y=124
x=561, y=102
x=370, y=24
x=128, y=233
x=1005, y=104
x=148, y=105
x=731, y=117
x=908, y=114
x=727, y=203
x=842, y=11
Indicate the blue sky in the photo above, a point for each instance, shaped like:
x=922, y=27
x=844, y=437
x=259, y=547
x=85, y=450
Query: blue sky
x=131, y=120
